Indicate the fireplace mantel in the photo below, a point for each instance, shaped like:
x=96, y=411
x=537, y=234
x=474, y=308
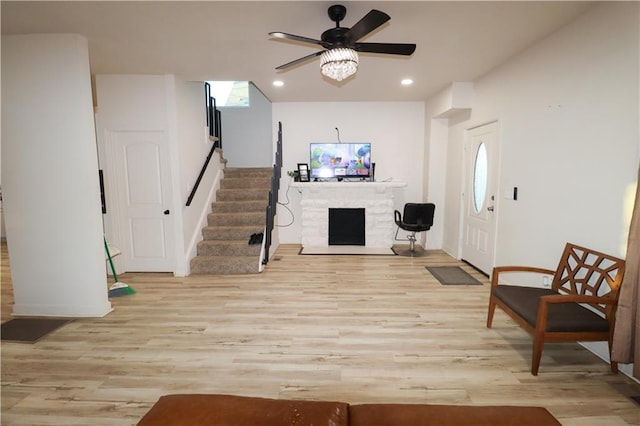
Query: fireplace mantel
x=375, y=197
x=311, y=186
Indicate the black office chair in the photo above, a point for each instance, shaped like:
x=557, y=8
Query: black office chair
x=417, y=217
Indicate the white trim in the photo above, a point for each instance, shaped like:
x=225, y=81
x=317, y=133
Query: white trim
x=179, y=265
x=192, y=250
x=112, y=194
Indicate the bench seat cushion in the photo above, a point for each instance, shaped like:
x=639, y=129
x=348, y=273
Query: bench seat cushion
x=230, y=410
x=562, y=317
x=448, y=415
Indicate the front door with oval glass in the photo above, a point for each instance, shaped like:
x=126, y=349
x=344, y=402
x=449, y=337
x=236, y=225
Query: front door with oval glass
x=479, y=224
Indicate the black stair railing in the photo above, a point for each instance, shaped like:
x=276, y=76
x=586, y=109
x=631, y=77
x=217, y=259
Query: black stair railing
x=213, y=116
x=215, y=133
x=273, y=195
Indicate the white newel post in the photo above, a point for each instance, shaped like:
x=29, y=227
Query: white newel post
x=375, y=197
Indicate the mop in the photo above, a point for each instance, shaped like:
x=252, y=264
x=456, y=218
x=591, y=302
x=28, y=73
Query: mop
x=118, y=288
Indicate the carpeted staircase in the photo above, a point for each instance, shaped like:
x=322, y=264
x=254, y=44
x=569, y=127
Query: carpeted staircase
x=238, y=212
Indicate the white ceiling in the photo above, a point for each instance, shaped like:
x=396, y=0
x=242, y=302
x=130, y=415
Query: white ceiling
x=217, y=40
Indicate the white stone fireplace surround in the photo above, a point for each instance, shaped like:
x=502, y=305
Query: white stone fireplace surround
x=375, y=197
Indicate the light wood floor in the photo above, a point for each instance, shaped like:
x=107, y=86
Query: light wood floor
x=348, y=328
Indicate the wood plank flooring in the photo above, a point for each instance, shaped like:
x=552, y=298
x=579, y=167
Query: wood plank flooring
x=349, y=328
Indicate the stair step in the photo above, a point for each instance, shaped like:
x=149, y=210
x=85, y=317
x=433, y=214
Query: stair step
x=243, y=195
x=236, y=219
x=225, y=265
x=233, y=172
x=239, y=206
x=246, y=182
x=228, y=248
x=239, y=233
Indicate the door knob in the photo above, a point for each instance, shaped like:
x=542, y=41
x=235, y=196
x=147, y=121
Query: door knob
x=167, y=211
x=490, y=208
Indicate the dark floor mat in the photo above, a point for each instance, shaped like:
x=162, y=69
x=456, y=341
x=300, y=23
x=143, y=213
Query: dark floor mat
x=452, y=275
x=29, y=330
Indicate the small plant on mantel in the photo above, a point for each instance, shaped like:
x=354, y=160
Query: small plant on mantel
x=294, y=174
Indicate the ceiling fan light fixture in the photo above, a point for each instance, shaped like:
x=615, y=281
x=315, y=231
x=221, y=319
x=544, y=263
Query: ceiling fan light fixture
x=339, y=63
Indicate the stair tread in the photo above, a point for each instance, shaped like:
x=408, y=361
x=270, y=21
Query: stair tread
x=261, y=190
x=243, y=194
x=241, y=213
x=234, y=228
x=230, y=243
x=212, y=265
x=222, y=242
x=257, y=177
x=239, y=203
x=239, y=216
x=242, y=190
x=241, y=170
x=233, y=259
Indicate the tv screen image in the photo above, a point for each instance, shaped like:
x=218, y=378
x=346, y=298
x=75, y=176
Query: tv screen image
x=340, y=160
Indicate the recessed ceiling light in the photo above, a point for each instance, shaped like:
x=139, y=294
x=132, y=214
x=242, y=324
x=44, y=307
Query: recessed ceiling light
x=278, y=83
x=406, y=82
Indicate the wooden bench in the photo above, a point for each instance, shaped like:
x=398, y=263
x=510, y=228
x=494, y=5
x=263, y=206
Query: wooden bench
x=579, y=306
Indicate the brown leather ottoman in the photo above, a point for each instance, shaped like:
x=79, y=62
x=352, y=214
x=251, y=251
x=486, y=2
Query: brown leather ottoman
x=227, y=410
x=448, y=415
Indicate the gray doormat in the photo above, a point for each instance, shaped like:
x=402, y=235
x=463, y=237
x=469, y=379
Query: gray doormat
x=452, y=275
x=29, y=330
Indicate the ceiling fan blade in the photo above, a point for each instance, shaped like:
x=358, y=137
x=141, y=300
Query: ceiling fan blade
x=389, y=48
x=278, y=34
x=368, y=23
x=300, y=60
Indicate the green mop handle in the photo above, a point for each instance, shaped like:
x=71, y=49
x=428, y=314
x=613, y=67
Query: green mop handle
x=113, y=270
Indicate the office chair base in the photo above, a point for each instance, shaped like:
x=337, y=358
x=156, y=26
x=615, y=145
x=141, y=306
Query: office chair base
x=403, y=250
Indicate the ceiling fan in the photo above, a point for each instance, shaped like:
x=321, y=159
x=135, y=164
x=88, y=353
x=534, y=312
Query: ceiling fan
x=339, y=60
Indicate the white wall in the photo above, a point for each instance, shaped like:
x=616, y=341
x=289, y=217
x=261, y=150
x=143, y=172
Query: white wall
x=3, y=233
x=569, y=125
x=50, y=178
x=127, y=103
x=452, y=104
x=193, y=148
x=177, y=108
x=395, y=130
x=568, y=115
x=247, y=140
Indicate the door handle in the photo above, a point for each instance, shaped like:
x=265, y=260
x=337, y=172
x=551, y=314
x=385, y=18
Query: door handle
x=490, y=208
x=167, y=211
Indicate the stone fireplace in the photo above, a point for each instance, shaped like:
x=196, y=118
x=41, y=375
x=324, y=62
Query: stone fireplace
x=375, y=199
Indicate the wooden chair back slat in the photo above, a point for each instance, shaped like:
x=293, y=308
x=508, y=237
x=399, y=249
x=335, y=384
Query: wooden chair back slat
x=586, y=272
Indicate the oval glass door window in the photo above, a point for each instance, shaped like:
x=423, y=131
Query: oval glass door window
x=480, y=178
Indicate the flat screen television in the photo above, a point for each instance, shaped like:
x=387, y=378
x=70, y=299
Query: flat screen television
x=340, y=160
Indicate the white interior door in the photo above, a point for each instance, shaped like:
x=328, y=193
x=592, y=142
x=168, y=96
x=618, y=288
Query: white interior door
x=145, y=223
x=479, y=224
